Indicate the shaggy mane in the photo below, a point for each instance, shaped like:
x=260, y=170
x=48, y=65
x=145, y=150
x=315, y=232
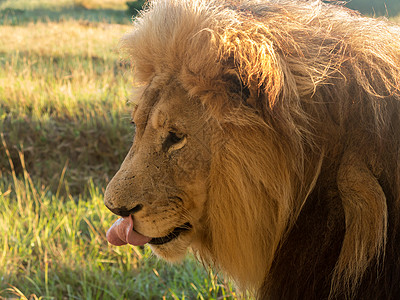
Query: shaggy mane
x=307, y=98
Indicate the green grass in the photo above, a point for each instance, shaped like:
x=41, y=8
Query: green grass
x=387, y=8
x=25, y=11
x=65, y=128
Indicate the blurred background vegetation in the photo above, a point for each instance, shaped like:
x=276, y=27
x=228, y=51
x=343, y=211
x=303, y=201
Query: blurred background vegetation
x=64, y=130
x=388, y=8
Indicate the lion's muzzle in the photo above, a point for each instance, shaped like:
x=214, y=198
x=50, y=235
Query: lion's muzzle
x=123, y=211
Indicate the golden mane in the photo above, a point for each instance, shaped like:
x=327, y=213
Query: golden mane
x=307, y=98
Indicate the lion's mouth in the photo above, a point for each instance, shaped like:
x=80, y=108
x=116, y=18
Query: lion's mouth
x=171, y=236
x=122, y=233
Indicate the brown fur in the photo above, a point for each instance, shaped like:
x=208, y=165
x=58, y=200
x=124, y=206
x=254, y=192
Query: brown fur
x=301, y=104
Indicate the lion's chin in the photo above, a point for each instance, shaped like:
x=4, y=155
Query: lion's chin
x=174, y=250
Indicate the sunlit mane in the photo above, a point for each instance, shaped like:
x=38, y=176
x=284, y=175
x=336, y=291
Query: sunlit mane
x=306, y=96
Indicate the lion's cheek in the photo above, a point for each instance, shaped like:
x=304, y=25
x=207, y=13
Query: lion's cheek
x=190, y=174
x=186, y=169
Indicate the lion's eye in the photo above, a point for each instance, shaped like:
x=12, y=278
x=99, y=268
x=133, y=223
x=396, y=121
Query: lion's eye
x=174, y=138
x=173, y=142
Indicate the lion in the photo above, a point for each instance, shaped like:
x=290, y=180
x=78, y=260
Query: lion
x=267, y=141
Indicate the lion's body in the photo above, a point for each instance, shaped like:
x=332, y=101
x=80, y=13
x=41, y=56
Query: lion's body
x=292, y=185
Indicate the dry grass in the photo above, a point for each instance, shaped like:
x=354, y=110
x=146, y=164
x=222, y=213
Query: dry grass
x=63, y=39
x=95, y=4
x=85, y=4
x=63, y=97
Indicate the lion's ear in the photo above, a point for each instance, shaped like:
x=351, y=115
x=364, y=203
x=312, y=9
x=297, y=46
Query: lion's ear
x=237, y=88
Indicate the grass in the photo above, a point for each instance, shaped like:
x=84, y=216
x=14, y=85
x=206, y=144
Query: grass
x=25, y=11
x=63, y=99
x=387, y=8
x=64, y=130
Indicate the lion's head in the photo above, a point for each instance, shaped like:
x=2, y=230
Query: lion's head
x=163, y=179
x=267, y=141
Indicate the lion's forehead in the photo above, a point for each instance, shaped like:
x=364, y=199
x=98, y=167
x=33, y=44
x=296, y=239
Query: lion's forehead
x=144, y=105
x=167, y=105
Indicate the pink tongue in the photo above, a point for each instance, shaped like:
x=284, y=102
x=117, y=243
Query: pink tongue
x=122, y=233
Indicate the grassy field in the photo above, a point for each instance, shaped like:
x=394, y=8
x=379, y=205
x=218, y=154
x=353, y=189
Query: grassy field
x=64, y=130
x=388, y=8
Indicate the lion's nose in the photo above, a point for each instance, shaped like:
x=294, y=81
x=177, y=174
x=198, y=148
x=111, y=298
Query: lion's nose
x=124, y=211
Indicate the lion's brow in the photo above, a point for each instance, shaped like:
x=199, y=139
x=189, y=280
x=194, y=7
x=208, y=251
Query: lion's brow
x=145, y=106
